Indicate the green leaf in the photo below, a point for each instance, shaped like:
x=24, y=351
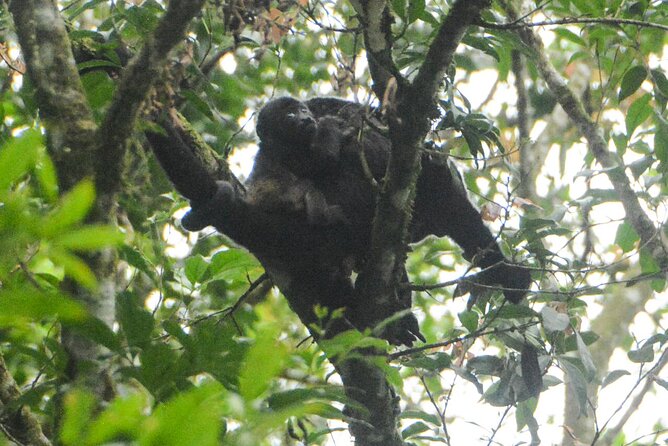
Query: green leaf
x=553, y=320
x=79, y=406
x=468, y=376
x=588, y=7
x=483, y=44
x=415, y=10
x=473, y=142
x=485, y=365
x=88, y=5
x=291, y=397
x=435, y=362
x=122, y=418
x=33, y=304
x=660, y=81
x=469, y=320
x=74, y=267
x=588, y=337
x=196, y=267
x=648, y=263
x=514, y=311
x=643, y=164
x=420, y=415
x=263, y=362
x=585, y=356
x=136, y=322
x=638, y=113
x=632, y=80
x=570, y=36
x=414, y=429
x=499, y=394
x=90, y=238
x=399, y=7
x=45, y=172
x=577, y=382
x=228, y=264
x=144, y=19
x=18, y=156
x=662, y=382
x=192, y=418
x=135, y=258
x=661, y=142
x=72, y=209
x=97, y=331
x=642, y=355
x=198, y=103
x=99, y=88
x=524, y=413
x=161, y=367
x=175, y=330
x=626, y=237
x=614, y=376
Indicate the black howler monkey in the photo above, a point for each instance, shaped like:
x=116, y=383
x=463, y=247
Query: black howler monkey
x=314, y=180
x=326, y=141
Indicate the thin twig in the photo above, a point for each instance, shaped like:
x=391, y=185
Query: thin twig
x=574, y=20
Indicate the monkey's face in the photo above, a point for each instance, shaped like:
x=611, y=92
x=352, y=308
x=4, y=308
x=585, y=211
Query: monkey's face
x=286, y=121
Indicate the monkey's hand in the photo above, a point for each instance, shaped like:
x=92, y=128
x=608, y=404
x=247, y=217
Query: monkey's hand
x=515, y=280
x=318, y=212
x=402, y=329
x=206, y=213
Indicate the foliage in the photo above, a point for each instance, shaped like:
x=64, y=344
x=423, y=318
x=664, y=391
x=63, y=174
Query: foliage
x=199, y=358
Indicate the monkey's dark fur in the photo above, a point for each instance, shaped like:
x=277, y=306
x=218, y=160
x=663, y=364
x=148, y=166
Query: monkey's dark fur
x=308, y=211
x=330, y=148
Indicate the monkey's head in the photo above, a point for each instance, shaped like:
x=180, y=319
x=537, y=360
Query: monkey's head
x=286, y=121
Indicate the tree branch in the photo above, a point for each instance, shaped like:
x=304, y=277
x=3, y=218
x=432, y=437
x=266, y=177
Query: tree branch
x=63, y=106
x=597, y=145
x=442, y=49
x=19, y=422
x=133, y=89
x=519, y=23
x=376, y=22
x=612, y=433
x=409, y=115
x=71, y=140
x=409, y=112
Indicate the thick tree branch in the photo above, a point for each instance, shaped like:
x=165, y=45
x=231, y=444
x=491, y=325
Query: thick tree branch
x=409, y=114
x=442, y=49
x=621, y=305
x=376, y=21
x=17, y=420
x=79, y=150
x=138, y=78
x=71, y=141
x=614, y=431
x=62, y=102
x=597, y=144
x=409, y=117
x=527, y=180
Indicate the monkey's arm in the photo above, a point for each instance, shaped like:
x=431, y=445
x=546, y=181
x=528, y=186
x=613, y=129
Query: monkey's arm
x=190, y=178
x=442, y=208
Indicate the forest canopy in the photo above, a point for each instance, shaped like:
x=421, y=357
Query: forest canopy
x=119, y=326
